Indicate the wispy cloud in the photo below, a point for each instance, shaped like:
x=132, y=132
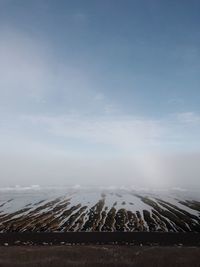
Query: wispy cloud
x=128, y=133
x=124, y=133
x=33, y=79
x=189, y=118
x=140, y=152
x=25, y=70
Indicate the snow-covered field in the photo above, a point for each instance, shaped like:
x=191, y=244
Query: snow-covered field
x=98, y=209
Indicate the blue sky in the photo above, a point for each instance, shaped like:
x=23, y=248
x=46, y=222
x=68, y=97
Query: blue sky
x=90, y=85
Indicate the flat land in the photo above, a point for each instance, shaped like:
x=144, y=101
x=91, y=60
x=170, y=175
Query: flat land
x=109, y=238
x=99, y=255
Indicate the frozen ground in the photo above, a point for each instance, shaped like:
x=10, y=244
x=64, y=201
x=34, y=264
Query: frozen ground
x=94, y=209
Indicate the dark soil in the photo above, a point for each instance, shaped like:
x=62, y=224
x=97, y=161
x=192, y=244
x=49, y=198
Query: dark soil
x=94, y=256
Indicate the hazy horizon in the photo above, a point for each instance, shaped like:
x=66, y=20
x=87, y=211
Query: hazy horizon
x=100, y=93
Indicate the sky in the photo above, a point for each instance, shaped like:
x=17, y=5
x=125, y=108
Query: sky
x=100, y=93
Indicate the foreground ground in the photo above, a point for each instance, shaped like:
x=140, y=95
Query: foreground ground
x=94, y=256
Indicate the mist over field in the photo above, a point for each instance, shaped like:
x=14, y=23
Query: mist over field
x=159, y=172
